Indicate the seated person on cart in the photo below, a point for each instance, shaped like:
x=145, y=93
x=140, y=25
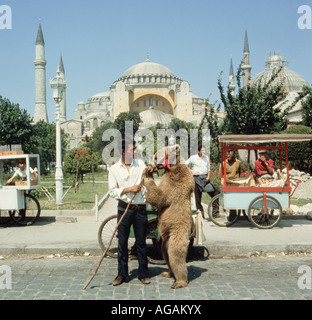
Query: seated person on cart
x=264, y=165
x=233, y=166
x=21, y=172
x=233, y=171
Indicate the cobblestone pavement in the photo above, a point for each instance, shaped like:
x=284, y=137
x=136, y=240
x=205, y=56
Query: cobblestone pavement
x=62, y=278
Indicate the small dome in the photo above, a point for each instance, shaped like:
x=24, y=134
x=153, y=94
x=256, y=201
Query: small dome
x=101, y=95
x=151, y=117
x=291, y=79
x=148, y=68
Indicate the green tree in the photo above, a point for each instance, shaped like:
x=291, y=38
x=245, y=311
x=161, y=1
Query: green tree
x=253, y=110
x=80, y=161
x=15, y=125
x=43, y=141
x=307, y=106
x=95, y=142
x=300, y=153
x=210, y=121
x=177, y=124
x=121, y=119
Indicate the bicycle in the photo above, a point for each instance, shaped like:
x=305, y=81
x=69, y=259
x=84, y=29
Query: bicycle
x=153, y=239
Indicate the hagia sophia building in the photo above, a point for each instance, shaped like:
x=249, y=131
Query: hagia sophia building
x=154, y=91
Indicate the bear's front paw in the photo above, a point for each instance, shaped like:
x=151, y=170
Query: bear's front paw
x=147, y=176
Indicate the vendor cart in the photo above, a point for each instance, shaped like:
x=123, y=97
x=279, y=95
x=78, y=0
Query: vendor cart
x=262, y=201
x=16, y=202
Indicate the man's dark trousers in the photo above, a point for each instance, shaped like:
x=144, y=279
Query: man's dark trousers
x=139, y=220
x=198, y=190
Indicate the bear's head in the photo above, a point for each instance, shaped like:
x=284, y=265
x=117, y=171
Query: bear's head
x=167, y=158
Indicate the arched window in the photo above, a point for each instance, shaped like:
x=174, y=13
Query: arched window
x=95, y=123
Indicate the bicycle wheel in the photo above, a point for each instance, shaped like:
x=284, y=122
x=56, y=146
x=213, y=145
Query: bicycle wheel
x=105, y=233
x=265, y=219
x=29, y=215
x=4, y=216
x=219, y=215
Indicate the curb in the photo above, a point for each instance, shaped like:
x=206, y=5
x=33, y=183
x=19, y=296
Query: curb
x=219, y=249
x=215, y=249
x=51, y=249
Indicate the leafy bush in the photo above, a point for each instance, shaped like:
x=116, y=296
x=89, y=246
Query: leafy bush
x=300, y=153
x=80, y=161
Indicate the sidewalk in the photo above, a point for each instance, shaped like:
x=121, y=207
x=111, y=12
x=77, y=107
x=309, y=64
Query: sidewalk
x=61, y=234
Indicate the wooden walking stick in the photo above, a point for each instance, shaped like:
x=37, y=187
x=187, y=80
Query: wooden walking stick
x=104, y=254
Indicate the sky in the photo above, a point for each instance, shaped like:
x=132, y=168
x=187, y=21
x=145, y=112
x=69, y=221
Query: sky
x=100, y=39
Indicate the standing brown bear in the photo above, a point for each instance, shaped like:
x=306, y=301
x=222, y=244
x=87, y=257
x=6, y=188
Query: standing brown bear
x=172, y=198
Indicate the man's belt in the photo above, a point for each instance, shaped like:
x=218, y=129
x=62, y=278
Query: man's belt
x=124, y=205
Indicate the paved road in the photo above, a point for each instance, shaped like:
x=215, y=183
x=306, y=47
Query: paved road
x=62, y=278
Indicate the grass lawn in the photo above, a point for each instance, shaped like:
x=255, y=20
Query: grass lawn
x=300, y=202
x=83, y=199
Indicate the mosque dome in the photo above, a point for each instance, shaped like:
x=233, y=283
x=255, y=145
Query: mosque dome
x=148, y=68
x=291, y=79
x=151, y=117
x=100, y=96
x=149, y=73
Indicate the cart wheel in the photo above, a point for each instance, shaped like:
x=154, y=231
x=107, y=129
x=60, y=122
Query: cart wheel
x=105, y=233
x=30, y=214
x=262, y=219
x=219, y=215
x=4, y=217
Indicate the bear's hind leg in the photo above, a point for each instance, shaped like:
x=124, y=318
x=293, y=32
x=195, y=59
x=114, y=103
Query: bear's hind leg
x=177, y=258
x=164, y=250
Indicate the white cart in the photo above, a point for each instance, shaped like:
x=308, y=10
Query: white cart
x=16, y=202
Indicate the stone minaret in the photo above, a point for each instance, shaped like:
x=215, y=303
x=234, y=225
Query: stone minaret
x=246, y=66
x=63, y=102
x=40, y=74
x=231, y=78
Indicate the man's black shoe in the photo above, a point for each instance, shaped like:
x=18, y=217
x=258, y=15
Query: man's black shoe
x=145, y=280
x=119, y=280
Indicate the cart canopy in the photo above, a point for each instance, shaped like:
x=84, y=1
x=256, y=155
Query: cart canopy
x=263, y=138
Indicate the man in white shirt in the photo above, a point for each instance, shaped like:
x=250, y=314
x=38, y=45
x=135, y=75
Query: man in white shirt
x=124, y=181
x=200, y=168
